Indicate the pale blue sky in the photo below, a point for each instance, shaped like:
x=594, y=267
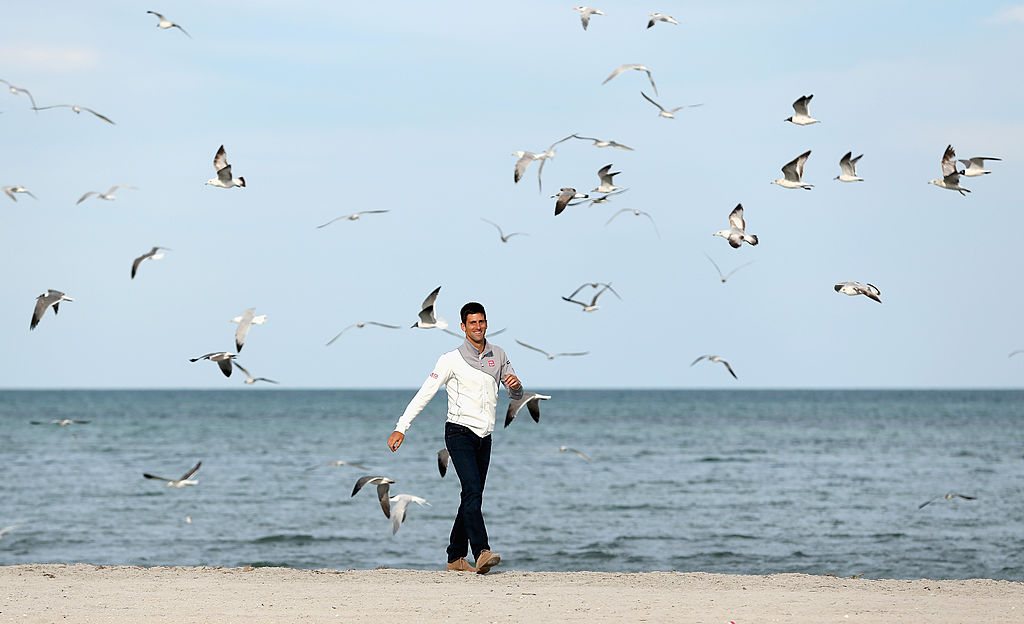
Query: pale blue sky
x=329, y=108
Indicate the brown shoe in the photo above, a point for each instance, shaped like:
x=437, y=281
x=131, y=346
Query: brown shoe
x=486, y=560
x=460, y=565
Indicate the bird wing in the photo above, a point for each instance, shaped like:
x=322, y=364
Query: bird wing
x=382, y=325
x=571, y=136
x=220, y=159
x=618, y=70
x=149, y=476
x=523, y=344
x=604, y=175
x=655, y=103
x=729, y=368
x=119, y=186
x=242, y=368
x=138, y=261
x=86, y=196
x=103, y=117
x=225, y=366
x=429, y=301
x=443, y=457
x=715, y=264
x=331, y=341
x=563, y=200
x=178, y=26
x=617, y=214
x=651, y=78
x=427, y=315
x=800, y=160
x=948, y=161
x=244, y=323
x=699, y=359
x=580, y=303
x=533, y=405
x=191, y=472
x=736, y=218
x=383, y=494
x=620, y=146
x=42, y=302
x=325, y=224
x=521, y=165
x=800, y=105
x=161, y=17
x=580, y=353
x=846, y=165
x=729, y=274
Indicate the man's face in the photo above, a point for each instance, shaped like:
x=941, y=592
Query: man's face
x=475, y=327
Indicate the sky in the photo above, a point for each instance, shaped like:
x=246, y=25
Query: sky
x=329, y=108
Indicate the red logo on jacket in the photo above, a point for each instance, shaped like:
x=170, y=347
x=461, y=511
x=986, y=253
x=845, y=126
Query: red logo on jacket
x=434, y=375
x=490, y=363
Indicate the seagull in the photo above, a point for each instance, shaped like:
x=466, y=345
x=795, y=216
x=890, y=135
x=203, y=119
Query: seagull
x=603, y=199
x=400, y=504
x=593, y=302
x=729, y=274
x=152, y=254
x=550, y=356
x=856, y=288
x=245, y=321
x=63, y=422
x=661, y=17
x=249, y=379
x=428, y=316
x=77, y=109
x=11, y=190
x=627, y=67
x=585, y=13
x=166, y=23
x=16, y=90
x=849, y=168
x=45, y=300
x=109, y=195
x=339, y=462
x=525, y=158
x=178, y=483
x=224, y=179
x=7, y=529
x=668, y=114
x=605, y=175
x=948, y=496
x=443, y=458
x=636, y=213
x=383, y=487
x=950, y=176
x=976, y=166
x=792, y=173
x=604, y=143
x=490, y=334
x=351, y=217
x=532, y=402
x=565, y=194
x=800, y=115
x=564, y=449
x=504, y=238
x=715, y=358
x=737, y=232
x=222, y=358
x=360, y=325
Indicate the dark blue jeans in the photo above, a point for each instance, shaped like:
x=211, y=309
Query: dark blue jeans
x=470, y=454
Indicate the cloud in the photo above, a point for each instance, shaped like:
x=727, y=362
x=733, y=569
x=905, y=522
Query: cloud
x=1009, y=15
x=48, y=58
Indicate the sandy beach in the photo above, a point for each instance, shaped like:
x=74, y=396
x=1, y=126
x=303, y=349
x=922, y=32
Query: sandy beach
x=96, y=594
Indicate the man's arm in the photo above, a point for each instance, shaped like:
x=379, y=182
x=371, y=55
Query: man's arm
x=512, y=383
x=440, y=376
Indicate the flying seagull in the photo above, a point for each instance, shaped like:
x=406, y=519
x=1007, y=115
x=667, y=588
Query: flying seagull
x=249, y=379
x=428, y=315
x=525, y=158
x=793, y=172
x=224, y=179
x=726, y=276
x=950, y=176
x=637, y=67
x=11, y=190
x=604, y=143
x=605, y=174
x=976, y=166
x=77, y=109
x=636, y=213
x=16, y=90
x=165, y=23
x=400, y=505
x=585, y=13
x=109, y=195
x=532, y=402
x=737, y=232
x=360, y=325
x=383, y=488
x=222, y=358
x=848, y=166
x=501, y=233
x=564, y=196
x=45, y=300
x=246, y=320
x=856, y=288
x=715, y=358
x=152, y=254
x=63, y=422
x=661, y=17
x=351, y=217
x=590, y=307
x=550, y=356
x=339, y=462
x=668, y=114
x=800, y=115
x=949, y=496
x=566, y=449
x=443, y=459
x=178, y=483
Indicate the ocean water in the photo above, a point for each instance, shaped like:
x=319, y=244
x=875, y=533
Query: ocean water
x=751, y=482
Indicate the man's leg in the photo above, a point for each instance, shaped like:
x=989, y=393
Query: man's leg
x=468, y=453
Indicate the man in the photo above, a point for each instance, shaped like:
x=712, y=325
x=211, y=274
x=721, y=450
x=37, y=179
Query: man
x=471, y=375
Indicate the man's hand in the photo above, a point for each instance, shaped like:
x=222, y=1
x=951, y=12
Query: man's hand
x=512, y=382
x=395, y=440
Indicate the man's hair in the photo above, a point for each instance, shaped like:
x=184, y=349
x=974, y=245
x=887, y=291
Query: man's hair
x=472, y=308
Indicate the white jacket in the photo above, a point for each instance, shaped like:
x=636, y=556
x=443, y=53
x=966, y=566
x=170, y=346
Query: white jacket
x=472, y=380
